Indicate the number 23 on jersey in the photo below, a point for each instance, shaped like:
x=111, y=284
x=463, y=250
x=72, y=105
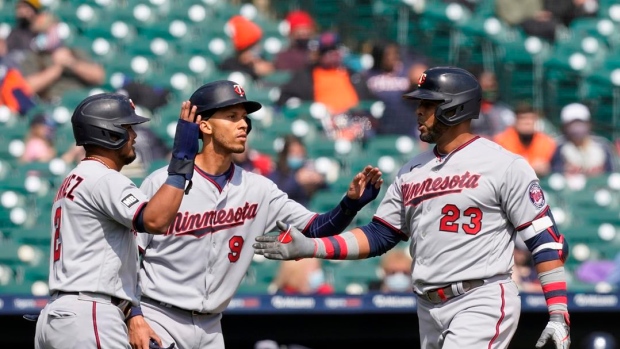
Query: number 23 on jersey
x=451, y=213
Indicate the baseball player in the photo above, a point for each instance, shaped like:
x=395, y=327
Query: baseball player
x=189, y=275
x=461, y=204
x=94, y=253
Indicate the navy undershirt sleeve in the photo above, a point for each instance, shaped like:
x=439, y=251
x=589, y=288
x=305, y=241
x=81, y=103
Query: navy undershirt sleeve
x=331, y=223
x=380, y=238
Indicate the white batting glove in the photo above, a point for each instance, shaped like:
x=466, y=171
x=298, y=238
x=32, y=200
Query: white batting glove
x=289, y=244
x=558, y=330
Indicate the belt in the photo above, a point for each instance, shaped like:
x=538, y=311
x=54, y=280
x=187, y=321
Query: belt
x=443, y=294
x=170, y=306
x=122, y=304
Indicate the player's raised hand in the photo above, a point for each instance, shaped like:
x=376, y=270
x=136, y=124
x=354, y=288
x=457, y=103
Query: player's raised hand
x=188, y=113
x=185, y=145
x=364, y=187
x=289, y=244
x=557, y=330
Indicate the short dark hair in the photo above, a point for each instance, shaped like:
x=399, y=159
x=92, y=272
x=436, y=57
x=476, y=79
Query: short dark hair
x=524, y=107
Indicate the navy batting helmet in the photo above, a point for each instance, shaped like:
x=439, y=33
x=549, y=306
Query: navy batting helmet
x=457, y=90
x=210, y=97
x=99, y=118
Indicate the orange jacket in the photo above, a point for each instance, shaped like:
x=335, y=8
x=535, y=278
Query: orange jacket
x=15, y=92
x=540, y=150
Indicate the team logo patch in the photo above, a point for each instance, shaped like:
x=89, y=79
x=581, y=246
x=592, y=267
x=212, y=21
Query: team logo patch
x=421, y=79
x=239, y=90
x=133, y=106
x=129, y=200
x=536, y=195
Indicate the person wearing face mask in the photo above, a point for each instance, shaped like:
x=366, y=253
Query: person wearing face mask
x=298, y=55
x=495, y=116
x=294, y=174
x=304, y=276
x=328, y=81
x=525, y=139
x=578, y=151
x=245, y=36
x=22, y=34
x=395, y=273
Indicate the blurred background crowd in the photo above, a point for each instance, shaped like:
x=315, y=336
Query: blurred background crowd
x=330, y=75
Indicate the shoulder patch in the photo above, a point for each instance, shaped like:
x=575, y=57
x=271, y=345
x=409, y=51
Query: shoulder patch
x=535, y=192
x=129, y=200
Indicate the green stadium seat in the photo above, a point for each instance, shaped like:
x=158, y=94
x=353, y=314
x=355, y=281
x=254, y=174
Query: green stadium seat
x=38, y=236
x=35, y=273
x=324, y=200
x=8, y=253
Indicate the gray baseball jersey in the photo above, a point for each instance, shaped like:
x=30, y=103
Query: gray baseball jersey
x=199, y=263
x=461, y=211
x=94, y=246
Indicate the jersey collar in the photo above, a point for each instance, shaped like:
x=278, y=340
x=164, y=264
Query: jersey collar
x=213, y=179
x=441, y=157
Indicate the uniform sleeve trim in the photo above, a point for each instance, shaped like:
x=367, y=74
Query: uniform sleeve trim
x=402, y=235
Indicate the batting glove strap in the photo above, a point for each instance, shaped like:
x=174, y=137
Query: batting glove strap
x=184, y=149
x=557, y=330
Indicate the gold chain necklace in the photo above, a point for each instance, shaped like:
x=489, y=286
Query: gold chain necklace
x=96, y=159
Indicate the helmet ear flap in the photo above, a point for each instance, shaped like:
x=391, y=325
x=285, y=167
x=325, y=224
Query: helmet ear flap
x=249, y=122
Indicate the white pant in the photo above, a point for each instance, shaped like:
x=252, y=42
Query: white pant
x=485, y=317
x=81, y=322
x=181, y=327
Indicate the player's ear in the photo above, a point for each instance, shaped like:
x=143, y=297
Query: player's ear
x=205, y=126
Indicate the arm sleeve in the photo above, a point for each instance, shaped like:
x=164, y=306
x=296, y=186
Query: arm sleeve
x=381, y=238
x=331, y=223
x=149, y=188
x=119, y=198
x=520, y=194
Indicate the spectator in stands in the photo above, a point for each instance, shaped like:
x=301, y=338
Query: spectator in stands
x=495, y=116
x=328, y=81
x=39, y=143
x=298, y=55
x=52, y=68
x=523, y=271
x=523, y=138
x=578, y=151
x=295, y=174
x=530, y=15
x=305, y=276
x=395, y=272
x=388, y=79
x=15, y=92
x=254, y=161
x=245, y=36
x=22, y=34
x=149, y=148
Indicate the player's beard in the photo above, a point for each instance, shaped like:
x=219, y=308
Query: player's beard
x=434, y=132
x=129, y=155
x=229, y=146
x=129, y=158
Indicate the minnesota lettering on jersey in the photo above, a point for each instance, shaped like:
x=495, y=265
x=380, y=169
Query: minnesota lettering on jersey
x=201, y=224
x=415, y=193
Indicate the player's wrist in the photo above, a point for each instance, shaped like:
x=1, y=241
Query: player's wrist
x=349, y=206
x=135, y=311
